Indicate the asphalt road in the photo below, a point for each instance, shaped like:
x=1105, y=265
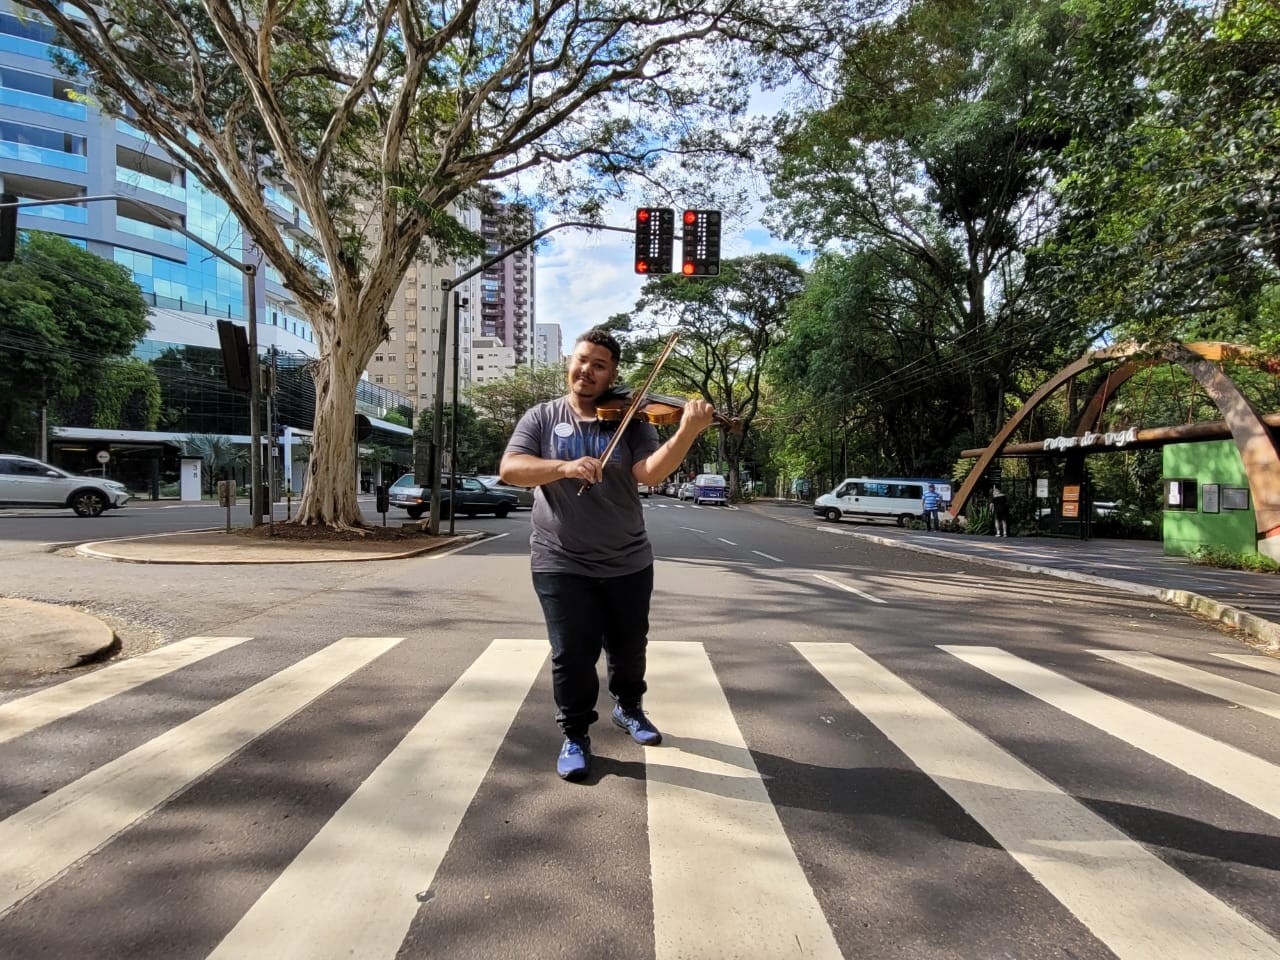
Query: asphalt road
x=869, y=753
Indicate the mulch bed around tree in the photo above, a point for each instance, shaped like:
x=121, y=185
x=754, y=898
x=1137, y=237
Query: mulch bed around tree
x=313, y=533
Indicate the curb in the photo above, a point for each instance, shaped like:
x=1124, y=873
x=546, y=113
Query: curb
x=88, y=550
x=1251, y=624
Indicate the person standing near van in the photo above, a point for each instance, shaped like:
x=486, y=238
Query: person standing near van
x=930, y=503
x=589, y=553
x=1000, y=511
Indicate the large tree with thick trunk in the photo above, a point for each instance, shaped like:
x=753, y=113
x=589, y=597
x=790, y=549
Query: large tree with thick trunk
x=380, y=116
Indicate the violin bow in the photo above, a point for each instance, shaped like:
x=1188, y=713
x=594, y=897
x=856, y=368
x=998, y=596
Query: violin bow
x=636, y=400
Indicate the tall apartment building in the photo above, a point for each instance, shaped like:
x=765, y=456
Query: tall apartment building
x=506, y=308
x=548, y=347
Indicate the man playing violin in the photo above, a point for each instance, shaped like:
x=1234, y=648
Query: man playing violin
x=590, y=555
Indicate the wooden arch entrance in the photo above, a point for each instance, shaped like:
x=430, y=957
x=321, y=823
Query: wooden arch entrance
x=1203, y=361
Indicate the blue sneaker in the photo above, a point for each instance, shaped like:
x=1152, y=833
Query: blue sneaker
x=575, y=758
x=633, y=720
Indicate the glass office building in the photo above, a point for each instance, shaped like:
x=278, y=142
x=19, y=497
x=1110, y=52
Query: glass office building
x=54, y=146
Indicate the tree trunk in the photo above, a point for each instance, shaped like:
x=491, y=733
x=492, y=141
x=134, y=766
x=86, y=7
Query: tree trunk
x=330, y=494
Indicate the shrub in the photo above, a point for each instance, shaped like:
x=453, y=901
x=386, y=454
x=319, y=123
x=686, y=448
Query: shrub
x=980, y=520
x=1210, y=556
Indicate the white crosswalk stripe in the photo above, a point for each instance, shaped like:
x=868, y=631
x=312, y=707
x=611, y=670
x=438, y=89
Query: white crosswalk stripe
x=350, y=892
x=1228, y=768
x=1233, y=691
x=726, y=878
x=1131, y=900
x=42, y=840
x=1254, y=660
x=726, y=882
x=53, y=703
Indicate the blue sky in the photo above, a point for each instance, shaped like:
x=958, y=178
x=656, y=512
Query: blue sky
x=584, y=277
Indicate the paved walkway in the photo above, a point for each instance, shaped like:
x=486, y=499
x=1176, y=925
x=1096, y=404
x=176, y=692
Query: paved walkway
x=38, y=638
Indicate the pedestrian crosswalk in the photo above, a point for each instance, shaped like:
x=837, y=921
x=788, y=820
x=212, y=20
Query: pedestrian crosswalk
x=729, y=876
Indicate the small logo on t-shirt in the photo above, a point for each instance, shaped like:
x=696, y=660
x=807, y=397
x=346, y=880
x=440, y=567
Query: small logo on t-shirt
x=563, y=430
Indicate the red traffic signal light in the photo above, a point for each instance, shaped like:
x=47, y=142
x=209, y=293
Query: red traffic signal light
x=700, y=243
x=655, y=238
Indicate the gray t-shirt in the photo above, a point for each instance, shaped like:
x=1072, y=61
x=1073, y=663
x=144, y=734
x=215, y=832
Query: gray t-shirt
x=598, y=534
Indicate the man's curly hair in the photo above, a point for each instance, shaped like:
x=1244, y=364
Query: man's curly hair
x=602, y=338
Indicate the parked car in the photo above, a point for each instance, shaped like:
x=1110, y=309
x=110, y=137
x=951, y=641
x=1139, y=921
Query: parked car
x=25, y=482
x=643, y=489
x=523, y=495
x=688, y=490
x=709, y=488
x=473, y=498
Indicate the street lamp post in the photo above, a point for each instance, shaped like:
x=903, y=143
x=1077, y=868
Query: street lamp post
x=437, y=424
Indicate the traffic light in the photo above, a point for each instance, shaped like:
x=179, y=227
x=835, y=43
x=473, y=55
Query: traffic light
x=235, y=354
x=700, y=243
x=655, y=237
x=8, y=227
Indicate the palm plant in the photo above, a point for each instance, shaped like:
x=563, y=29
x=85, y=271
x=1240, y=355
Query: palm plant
x=218, y=453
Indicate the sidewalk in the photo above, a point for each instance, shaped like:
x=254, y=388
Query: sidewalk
x=1248, y=601
x=41, y=638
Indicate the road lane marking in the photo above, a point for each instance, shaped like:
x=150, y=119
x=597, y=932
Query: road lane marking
x=1233, y=691
x=693, y=529
x=845, y=586
x=729, y=542
x=726, y=882
x=1136, y=904
x=42, y=840
x=767, y=556
x=1244, y=776
x=53, y=703
x=440, y=554
x=1256, y=661
x=351, y=891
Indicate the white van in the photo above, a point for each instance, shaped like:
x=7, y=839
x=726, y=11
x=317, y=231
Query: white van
x=889, y=498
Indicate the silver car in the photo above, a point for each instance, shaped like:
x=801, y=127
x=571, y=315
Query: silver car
x=25, y=482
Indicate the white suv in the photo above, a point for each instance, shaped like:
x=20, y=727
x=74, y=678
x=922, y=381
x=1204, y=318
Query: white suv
x=25, y=482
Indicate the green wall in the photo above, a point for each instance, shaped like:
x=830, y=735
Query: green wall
x=1209, y=462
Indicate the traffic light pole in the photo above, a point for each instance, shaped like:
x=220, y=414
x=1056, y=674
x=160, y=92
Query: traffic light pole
x=437, y=419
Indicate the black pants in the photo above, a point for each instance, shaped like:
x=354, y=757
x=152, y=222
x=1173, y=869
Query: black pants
x=584, y=616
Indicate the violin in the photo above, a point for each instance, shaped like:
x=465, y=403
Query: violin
x=655, y=408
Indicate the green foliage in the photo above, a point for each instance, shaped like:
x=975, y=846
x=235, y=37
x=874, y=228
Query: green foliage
x=980, y=521
x=925, y=166
x=504, y=401
x=63, y=313
x=729, y=326
x=123, y=395
x=1170, y=226
x=480, y=440
x=1209, y=556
